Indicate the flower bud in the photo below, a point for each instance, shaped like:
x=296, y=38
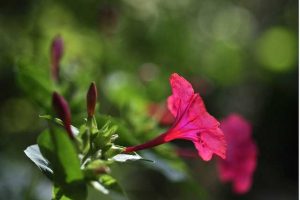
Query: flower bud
x=91, y=99
x=57, y=48
x=61, y=107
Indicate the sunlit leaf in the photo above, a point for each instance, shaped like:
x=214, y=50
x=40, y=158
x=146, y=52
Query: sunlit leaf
x=128, y=157
x=34, y=154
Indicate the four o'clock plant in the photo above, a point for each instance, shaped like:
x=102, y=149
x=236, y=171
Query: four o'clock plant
x=78, y=156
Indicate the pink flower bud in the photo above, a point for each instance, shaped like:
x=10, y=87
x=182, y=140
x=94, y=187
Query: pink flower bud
x=57, y=48
x=62, y=109
x=91, y=98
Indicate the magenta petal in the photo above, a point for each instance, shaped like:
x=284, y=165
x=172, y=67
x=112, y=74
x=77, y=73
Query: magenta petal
x=182, y=91
x=215, y=141
x=203, y=151
x=172, y=105
x=199, y=116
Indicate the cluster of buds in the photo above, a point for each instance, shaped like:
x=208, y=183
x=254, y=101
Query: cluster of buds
x=96, y=146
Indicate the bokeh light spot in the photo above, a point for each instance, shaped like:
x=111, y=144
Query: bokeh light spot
x=223, y=63
x=277, y=49
x=233, y=24
x=123, y=89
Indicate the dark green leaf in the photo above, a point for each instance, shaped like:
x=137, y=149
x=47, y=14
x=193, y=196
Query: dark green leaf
x=57, y=147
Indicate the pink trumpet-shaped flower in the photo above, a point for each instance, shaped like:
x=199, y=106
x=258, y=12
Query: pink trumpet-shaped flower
x=241, y=156
x=57, y=48
x=62, y=109
x=192, y=122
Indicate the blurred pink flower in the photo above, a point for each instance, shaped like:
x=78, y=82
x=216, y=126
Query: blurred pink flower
x=241, y=156
x=160, y=113
x=192, y=122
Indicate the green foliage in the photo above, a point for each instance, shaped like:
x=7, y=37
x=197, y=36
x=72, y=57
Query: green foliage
x=61, y=153
x=32, y=78
x=74, y=165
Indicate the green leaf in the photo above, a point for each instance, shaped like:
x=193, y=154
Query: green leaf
x=34, y=154
x=128, y=157
x=57, y=147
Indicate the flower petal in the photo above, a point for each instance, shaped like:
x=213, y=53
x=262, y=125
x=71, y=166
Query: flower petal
x=195, y=117
x=182, y=91
x=204, y=152
x=172, y=105
x=200, y=117
x=215, y=141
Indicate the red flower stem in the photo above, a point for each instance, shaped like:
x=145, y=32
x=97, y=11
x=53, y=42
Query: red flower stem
x=152, y=143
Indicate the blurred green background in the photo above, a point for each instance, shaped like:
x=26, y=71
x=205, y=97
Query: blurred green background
x=241, y=56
